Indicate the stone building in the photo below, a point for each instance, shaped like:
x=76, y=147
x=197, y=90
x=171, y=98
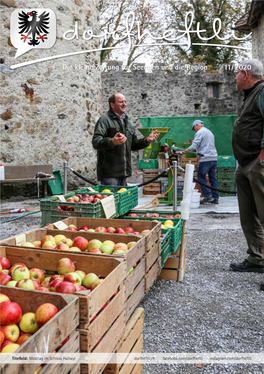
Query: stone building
x=254, y=21
x=187, y=90
x=48, y=110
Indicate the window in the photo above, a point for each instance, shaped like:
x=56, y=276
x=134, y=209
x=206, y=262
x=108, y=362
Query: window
x=214, y=90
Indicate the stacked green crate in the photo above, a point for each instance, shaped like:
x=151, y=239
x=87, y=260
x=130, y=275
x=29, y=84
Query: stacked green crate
x=226, y=167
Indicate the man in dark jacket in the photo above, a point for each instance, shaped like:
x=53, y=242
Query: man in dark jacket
x=248, y=147
x=114, y=138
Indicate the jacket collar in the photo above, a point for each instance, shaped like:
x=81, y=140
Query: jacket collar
x=112, y=114
x=249, y=90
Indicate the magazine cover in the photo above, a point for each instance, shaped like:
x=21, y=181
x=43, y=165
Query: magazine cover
x=132, y=186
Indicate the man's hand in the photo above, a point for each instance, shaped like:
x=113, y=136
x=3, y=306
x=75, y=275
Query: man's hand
x=119, y=139
x=261, y=155
x=153, y=136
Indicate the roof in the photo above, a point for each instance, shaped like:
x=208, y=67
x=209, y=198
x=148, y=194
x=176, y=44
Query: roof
x=250, y=20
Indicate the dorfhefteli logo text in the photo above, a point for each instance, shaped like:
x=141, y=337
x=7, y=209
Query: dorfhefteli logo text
x=32, y=29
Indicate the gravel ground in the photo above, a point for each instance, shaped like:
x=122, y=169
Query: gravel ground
x=212, y=310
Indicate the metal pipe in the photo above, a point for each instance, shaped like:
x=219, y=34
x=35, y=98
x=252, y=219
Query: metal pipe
x=174, y=168
x=65, y=176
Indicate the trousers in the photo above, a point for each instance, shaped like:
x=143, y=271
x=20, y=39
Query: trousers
x=114, y=181
x=208, y=167
x=250, y=193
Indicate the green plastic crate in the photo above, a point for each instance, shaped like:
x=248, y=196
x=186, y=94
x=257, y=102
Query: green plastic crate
x=165, y=246
x=226, y=174
x=55, y=187
x=127, y=200
x=148, y=163
x=51, y=213
x=226, y=162
x=176, y=230
x=85, y=190
x=227, y=186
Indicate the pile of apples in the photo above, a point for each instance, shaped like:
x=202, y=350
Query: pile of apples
x=79, y=244
x=84, y=199
x=15, y=327
x=153, y=215
x=108, y=230
x=68, y=280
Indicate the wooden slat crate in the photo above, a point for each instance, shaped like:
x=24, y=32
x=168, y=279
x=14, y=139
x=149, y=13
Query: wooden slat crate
x=131, y=256
x=149, y=174
x=150, y=238
x=151, y=188
x=52, y=334
x=153, y=265
x=131, y=342
x=174, y=267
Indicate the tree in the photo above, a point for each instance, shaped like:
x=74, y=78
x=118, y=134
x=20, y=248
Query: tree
x=114, y=18
x=205, y=11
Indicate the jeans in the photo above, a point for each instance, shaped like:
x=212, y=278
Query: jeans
x=208, y=167
x=113, y=182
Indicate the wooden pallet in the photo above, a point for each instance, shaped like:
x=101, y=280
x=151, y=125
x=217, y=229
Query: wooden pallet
x=152, y=189
x=131, y=342
x=52, y=334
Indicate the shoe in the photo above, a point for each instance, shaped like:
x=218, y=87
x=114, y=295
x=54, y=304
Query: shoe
x=207, y=200
x=262, y=287
x=246, y=266
x=215, y=201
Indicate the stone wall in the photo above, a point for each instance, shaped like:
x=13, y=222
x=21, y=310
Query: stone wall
x=48, y=110
x=258, y=40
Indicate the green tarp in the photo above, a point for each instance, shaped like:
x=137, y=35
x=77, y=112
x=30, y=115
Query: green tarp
x=221, y=127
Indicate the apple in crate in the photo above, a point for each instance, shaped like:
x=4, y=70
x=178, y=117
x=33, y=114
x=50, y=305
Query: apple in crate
x=131, y=244
x=145, y=232
x=85, y=228
x=111, y=230
x=65, y=287
x=119, y=230
x=110, y=243
x=136, y=233
x=107, y=249
x=65, y=266
x=43, y=289
x=28, y=244
x=37, y=274
x=49, y=245
x=81, y=274
x=56, y=276
x=53, y=284
x=133, y=215
x=3, y=297
x=47, y=238
x=128, y=230
x=69, y=242
x=95, y=284
x=72, y=228
x=80, y=242
x=10, y=312
x=36, y=283
x=11, y=284
x=28, y=323
x=63, y=247
x=73, y=278
x=90, y=279
x=21, y=273
x=94, y=243
x=16, y=265
x=45, y=312
x=121, y=246
x=91, y=230
x=59, y=239
x=37, y=243
x=95, y=250
x=5, y=263
x=23, y=338
x=4, y=279
x=119, y=251
x=2, y=337
x=11, y=332
x=26, y=284
x=10, y=348
x=101, y=229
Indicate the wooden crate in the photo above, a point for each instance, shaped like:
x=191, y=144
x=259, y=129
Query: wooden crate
x=150, y=238
x=52, y=334
x=152, y=274
x=131, y=256
x=135, y=298
x=175, y=266
x=131, y=342
x=151, y=188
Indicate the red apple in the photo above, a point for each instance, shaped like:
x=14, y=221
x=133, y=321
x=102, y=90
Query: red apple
x=65, y=287
x=111, y=230
x=27, y=284
x=76, y=199
x=10, y=312
x=44, y=289
x=95, y=250
x=45, y=284
x=147, y=215
x=56, y=276
x=4, y=279
x=155, y=215
x=136, y=233
x=169, y=217
x=85, y=228
x=177, y=216
x=23, y=338
x=36, y=284
x=37, y=274
x=21, y=273
x=45, y=312
x=11, y=332
x=121, y=246
x=65, y=266
x=16, y=265
x=98, y=196
x=80, y=242
x=73, y=278
x=133, y=215
x=72, y=228
x=5, y=343
x=63, y=247
x=53, y=284
x=49, y=244
x=78, y=288
x=128, y=230
x=37, y=243
x=101, y=229
x=4, y=262
x=119, y=230
x=46, y=238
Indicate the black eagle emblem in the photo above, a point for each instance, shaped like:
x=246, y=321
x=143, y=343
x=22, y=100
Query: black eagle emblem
x=38, y=29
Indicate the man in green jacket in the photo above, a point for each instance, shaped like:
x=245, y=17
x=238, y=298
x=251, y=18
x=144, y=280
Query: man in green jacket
x=248, y=147
x=114, y=138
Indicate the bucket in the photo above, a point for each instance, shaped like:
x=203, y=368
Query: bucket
x=195, y=200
